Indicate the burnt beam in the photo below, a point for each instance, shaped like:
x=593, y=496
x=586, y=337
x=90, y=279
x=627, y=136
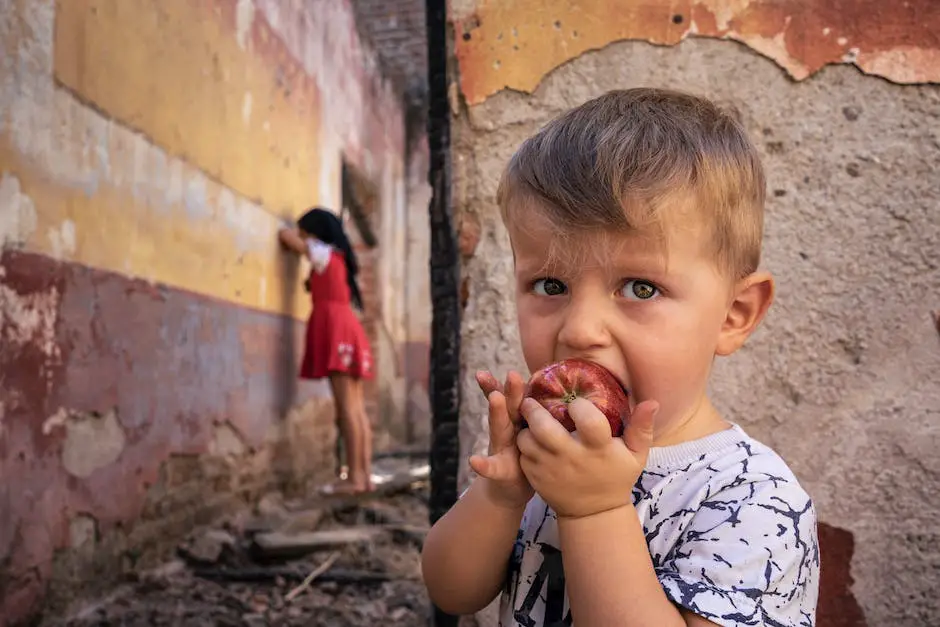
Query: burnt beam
x=445, y=284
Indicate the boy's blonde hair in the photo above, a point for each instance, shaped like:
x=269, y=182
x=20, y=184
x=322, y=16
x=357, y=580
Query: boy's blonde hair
x=634, y=157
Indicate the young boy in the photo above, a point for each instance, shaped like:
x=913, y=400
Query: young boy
x=635, y=222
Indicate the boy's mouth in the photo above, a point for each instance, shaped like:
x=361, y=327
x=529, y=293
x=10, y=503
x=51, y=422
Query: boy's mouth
x=626, y=390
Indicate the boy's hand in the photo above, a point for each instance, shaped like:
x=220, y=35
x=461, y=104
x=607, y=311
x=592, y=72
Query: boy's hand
x=504, y=482
x=589, y=471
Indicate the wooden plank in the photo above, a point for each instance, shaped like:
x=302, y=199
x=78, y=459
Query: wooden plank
x=277, y=544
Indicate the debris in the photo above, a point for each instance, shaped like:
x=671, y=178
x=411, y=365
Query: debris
x=385, y=517
x=286, y=545
x=271, y=504
x=164, y=571
x=270, y=515
x=404, y=453
x=316, y=572
x=254, y=619
x=409, y=533
x=207, y=547
x=303, y=520
x=249, y=574
x=359, y=557
x=260, y=574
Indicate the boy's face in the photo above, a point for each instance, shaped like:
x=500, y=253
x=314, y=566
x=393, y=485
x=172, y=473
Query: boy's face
x=651, y=309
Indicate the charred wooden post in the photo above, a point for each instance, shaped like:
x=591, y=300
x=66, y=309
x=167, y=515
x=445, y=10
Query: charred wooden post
x=445, y=281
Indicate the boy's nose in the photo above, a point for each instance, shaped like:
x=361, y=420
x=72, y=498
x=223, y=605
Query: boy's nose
x=584, y=327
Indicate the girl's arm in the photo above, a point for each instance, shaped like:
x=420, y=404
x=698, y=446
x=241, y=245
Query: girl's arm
x=292, y=240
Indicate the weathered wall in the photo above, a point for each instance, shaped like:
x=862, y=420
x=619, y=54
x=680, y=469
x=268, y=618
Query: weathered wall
x=398, y=30
x=417, y=351
x=842, y=378
x=150, y=326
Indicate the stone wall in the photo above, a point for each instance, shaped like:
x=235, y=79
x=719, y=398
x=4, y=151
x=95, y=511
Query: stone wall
x=842, y=378
x=151, y=328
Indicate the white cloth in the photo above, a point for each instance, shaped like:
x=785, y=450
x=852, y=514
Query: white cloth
x=731, y=533
x=319, y=254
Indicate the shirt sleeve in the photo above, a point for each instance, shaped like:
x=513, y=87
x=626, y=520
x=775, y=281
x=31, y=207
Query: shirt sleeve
x=749, y=557
x=319, y=255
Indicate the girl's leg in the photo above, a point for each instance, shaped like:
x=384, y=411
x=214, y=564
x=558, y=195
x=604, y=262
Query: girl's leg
x=365, y=431
x=345, y=400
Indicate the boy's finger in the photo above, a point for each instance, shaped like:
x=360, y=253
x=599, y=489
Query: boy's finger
x=593, y=427
x=638, y=436
x=492, y=467
x=501, y=430
x=528, y=446
x=547, y=431
x=515, y=389
x=481, y=465
x=488, y=383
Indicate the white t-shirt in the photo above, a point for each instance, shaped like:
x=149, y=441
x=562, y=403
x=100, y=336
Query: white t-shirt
x=731, y=533
x=319, y=254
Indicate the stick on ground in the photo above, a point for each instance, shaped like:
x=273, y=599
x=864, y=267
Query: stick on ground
x=316, y=572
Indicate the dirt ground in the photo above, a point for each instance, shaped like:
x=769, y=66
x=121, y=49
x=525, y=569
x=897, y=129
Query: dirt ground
x=243, y=571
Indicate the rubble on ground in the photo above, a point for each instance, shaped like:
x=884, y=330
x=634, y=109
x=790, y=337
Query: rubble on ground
x=343, y=561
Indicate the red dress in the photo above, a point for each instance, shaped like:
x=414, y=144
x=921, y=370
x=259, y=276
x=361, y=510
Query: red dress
x=336, y=341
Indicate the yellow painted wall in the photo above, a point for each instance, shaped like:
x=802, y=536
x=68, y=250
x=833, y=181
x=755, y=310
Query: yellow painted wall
x=113, y=230
x=167, y=143
x=177, y=71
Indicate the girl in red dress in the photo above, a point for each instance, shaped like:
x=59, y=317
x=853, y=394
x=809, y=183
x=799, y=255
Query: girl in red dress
x=336, y=345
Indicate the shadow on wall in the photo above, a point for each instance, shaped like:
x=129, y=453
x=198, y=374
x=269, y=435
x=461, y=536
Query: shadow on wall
x=285, y=366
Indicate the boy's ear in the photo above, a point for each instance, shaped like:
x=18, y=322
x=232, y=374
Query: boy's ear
x=749, y=304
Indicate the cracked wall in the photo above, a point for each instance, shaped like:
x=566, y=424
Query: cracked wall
x=513, y=45
x=842, y=377
x=151, y=328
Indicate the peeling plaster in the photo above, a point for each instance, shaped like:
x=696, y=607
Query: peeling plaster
x=246, y=108
x=83, y=531
x=17, y=213
x=244, y=17
x=62, y=239
x=514, y=45
x=92, y=441
x=30, y=318
x=227, y=442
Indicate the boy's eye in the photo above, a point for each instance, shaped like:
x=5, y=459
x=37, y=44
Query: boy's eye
x=549, y=287
x=639, y=290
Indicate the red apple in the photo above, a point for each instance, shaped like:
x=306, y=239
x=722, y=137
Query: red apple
x=555, y=386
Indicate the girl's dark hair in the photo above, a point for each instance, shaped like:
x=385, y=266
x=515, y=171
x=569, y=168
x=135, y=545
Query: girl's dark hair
x=327, y=227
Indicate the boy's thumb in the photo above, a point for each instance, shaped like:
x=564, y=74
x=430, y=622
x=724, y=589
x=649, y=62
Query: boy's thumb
x=638, y=436
x=480, y=465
